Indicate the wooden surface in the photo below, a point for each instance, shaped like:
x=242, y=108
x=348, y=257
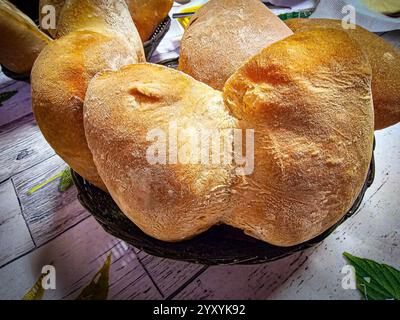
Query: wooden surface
x=50, y=227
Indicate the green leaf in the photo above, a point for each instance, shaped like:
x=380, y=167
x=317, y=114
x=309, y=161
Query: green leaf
x=296, y=14
x=66, y=180
x=375, y=281
x=97, y=289
x=37, y=291
x=4, y=96
x=65, y=183
x=39, y=186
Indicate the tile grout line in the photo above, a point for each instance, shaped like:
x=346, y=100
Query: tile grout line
x=44, y=243
x=187, y=282
x=22, y=213
x=15, y=122
x=22, y=171
x=148, y=274
x=294, y=271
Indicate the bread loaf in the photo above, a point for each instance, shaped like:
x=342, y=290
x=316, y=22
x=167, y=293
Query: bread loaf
x=102, y=16
x=148, y=14
x=223, y=34
x=20, y=39
x=60, y=77
x=308, y=100
x=169, y=201
x=385, y=63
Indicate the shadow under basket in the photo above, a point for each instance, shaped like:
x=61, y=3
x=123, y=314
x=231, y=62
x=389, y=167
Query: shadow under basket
x=219, y=245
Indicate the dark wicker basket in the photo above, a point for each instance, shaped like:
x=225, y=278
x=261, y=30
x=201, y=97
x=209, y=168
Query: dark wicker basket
x=220, y=245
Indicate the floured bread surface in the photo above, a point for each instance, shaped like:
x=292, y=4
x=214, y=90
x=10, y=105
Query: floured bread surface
x=385, y=64
x=125, y=113
x=308, y=97
x=223, y=34
x=59, y=80
x=313, y=123
x=109, y=17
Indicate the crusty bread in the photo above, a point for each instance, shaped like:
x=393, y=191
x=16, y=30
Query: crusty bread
x=57, y=4
x=59, y=80
x=385, y=63
x=170, y=202
x=223, y=34
x=20, y=39
x=148, y=14
x=308, y=98
x=313, y=121
x=103, y=16
x=93, y=41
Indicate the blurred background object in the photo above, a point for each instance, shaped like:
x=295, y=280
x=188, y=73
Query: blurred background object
x=383, y=6
x=373, y=21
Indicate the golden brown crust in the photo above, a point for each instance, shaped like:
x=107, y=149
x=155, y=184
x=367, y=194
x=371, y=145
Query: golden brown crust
x=223, y=34
x=385, y=64
x=313, y=120
x=312, y=115
x=102, y=16
x=59, y=80
x=171, y=202
x=20, y=39
x=148, y=14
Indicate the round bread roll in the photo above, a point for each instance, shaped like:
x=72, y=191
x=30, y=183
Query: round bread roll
x=223, y=34
x=167, y=199
x=102, y=16
x=308, y=98
x=148, y=14
x=20, y=39
x=59, y=81
x=385, y=64
x=98, y=35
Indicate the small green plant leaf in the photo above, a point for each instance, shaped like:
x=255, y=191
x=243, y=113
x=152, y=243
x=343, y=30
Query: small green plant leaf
x=375, y=281
x=37, y=291
x=66, y=180
x=97, y=289
x=39, y=186
x=4, y=96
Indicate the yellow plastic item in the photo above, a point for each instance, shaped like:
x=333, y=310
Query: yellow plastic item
x=185, y=21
